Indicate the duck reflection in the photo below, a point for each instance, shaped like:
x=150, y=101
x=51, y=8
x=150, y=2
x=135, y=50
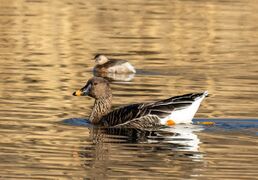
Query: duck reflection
x=181, y=137
x=115, y=149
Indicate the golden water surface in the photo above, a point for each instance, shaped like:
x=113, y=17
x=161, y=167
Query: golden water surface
x=46, y=52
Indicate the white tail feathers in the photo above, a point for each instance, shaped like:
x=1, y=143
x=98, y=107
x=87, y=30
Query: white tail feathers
x=185, y=115
x=205, y=93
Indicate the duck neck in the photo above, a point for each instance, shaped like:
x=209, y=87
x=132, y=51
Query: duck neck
x=101, y=107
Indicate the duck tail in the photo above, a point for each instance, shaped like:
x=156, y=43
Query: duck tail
x=206, y=93
x=202, y=95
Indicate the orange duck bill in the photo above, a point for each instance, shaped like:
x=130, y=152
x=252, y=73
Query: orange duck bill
x=83, y=91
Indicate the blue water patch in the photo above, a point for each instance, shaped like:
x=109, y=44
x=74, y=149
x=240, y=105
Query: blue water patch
x=225, y=124
x=230, y=124
x=77, y=122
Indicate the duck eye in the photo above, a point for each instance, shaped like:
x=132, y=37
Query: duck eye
x=95, y=83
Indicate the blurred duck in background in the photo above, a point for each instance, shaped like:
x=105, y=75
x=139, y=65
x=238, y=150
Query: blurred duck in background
x=113, y=69
x=103, y=64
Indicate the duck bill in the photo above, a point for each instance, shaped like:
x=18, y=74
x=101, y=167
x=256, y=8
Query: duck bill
x=83, y=91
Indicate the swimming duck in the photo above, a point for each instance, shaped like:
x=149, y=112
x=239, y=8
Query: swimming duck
x=171, y=111
x=105, y=65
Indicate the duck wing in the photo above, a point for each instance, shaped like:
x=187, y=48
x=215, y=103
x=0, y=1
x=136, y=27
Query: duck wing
x=165, y=107
x=113, y=62
x=148, y=114
x=122, y=115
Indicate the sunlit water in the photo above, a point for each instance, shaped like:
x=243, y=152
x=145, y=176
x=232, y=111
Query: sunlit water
x=46, y=51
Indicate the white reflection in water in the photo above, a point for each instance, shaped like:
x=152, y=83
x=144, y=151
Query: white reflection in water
x=183, y=138
x=110, y=149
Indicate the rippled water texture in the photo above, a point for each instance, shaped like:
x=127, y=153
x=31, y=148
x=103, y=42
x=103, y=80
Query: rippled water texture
x=46, y=51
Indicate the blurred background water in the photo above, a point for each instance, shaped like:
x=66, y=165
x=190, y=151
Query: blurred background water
x=46, y=52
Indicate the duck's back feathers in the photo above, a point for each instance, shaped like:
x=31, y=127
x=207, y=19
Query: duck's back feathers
x=114, y=62
x=122, y=115
x=151, y=114
x=115, y=66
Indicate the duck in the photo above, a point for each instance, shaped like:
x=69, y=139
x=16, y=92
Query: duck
x=165, y=112
x=105, y=65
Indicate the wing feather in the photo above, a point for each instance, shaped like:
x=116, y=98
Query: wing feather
x=141, y=115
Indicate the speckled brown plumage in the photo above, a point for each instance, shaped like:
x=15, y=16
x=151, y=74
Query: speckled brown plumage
x=141, y=115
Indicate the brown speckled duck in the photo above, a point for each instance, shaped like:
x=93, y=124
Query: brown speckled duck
x=175, y=110
x=105, y=65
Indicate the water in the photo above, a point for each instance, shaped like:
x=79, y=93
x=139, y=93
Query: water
x=46, y=51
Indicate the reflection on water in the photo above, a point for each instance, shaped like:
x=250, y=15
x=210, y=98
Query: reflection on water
x=177, y=47
x=114, y=147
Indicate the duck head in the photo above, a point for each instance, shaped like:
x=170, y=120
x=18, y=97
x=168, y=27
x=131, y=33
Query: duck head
x=96, y=88
x=100, y=59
